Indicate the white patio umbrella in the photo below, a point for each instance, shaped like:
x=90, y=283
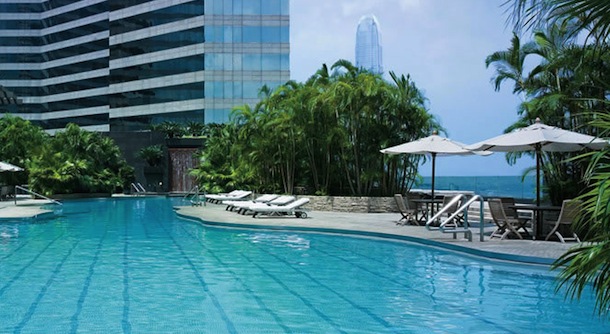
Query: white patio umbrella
x=6, y=167
x=540, y=137
x=432, y=145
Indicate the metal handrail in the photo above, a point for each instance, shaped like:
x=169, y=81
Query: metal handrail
x=133, y=185
x=197, y=201
x=464, y=208
x=35, y=194
x=190, y=192
x=442, y=211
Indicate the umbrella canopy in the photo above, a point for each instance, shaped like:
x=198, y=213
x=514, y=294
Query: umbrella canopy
x=540, y=137
x=6, y=167
x=433, y=145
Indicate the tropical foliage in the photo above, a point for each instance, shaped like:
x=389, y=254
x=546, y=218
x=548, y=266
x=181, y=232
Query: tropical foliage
x=170, y=129
x=153, y=155
x=21, y=141
x=323, y=135
x=561, y=88
x=78, y=161
x=579, y=75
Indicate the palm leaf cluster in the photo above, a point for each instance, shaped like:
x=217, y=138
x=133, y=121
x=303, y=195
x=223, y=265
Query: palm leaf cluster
x=586, y=95
x=322, y=136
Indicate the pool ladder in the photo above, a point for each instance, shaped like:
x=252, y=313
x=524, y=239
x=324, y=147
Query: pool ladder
x=196, y=200
x=138, y=188
x=449, y=226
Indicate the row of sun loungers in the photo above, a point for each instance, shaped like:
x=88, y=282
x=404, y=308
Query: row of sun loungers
x=235, y=195
x=268, y=204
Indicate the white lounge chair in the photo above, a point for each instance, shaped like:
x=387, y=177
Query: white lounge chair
x=292, y=208
x=235, y=195
x=250, y=207
x=232, y=204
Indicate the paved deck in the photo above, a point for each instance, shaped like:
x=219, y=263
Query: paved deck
x=23, y=208
x=368, y=224
x=384, y=225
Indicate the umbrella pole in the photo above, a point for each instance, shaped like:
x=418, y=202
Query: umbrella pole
x=433, y=177
x=538, y=214
x=538, y=174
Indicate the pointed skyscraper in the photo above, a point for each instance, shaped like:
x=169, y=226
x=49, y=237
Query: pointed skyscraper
x=368, y=44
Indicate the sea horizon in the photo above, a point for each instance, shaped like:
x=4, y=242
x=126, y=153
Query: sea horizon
x=515, y=186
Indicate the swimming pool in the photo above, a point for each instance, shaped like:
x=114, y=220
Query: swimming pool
x=130, y=265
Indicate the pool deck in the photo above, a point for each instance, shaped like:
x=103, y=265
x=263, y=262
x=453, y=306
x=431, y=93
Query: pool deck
x=381, y=225
x=384, y=225
x=22, y=208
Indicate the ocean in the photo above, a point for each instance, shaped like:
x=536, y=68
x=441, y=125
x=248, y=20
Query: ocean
x=486, y=186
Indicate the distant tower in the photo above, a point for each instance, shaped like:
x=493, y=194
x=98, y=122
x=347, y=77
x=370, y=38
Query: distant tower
x=368, y=44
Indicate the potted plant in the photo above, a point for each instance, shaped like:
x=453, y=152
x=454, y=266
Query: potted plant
x=153, y=155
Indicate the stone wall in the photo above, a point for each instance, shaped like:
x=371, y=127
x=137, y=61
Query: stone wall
x=352, y=204
x=375, y=205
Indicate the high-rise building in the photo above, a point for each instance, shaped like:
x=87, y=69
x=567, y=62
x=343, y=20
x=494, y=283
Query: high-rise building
x=368, y=45
x=120, y=65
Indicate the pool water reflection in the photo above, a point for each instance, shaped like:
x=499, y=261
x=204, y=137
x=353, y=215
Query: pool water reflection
x=130, y=265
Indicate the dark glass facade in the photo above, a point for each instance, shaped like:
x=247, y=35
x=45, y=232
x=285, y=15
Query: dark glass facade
x=121, y=65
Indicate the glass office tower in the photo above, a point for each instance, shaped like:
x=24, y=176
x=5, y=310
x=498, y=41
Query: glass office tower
x=120, y=65
x=368, y=45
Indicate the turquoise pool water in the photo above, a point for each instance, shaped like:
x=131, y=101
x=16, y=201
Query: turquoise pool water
x=132, y=266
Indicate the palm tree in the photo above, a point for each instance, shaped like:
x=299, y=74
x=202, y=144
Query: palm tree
x=510, y=64
x=592, y=16
x=589, y=263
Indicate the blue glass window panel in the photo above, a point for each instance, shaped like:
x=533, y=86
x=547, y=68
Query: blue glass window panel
x=214, y=7
x=237, y=62
x=219, y=89
x=270, y=34
x=228, y=90
x=271, y=7
x=213, y=34
x=284, y=62
x=213, y=61
x=238, y=89
x=216, y=115
x=252, y=62
x=252, y=34
x=252, y=7
x=284, y=34
x=228, y=7
x=214, y=89
x=251, y=89
x=237, y=34
x=238, y=7
x=227, y=34
x=271, y=62
x=208, y=90
x=227, y=59
x=219, y=7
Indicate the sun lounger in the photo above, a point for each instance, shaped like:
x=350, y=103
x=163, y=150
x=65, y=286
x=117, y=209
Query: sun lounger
x=292, y=208
x=249, y=207
x=232, y=204
x=236, y=195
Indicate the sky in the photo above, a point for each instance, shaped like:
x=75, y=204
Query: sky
x=442, y=45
